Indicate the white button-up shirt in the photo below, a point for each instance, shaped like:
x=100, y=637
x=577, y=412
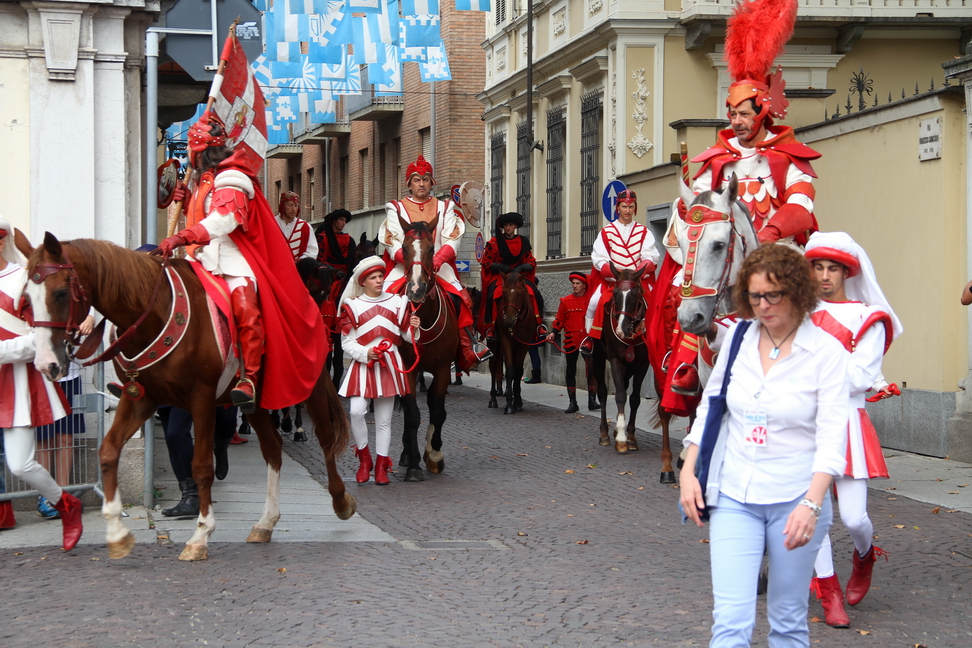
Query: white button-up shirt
x=804, y=397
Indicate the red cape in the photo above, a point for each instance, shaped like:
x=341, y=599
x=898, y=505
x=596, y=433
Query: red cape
x=292, y=324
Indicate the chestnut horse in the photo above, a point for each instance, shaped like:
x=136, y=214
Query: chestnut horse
x=622, y=344
x=66, y=279
x=515, y=325
x=436, y=346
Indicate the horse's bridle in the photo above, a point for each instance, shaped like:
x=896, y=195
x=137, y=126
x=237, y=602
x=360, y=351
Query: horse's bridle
x=418, y=235
x=79, y=306
x=628, y=284
x=697, y=217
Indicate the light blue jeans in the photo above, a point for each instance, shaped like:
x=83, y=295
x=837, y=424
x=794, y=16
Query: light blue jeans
x=738, y=534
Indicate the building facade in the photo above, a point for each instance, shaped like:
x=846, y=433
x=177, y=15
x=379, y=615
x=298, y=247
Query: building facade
x=359, y=162
x=617, y=85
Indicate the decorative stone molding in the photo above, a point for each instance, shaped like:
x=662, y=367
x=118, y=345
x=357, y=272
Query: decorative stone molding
x=591, y=71
x=560, y=22
x=501, y=59
x=613, y=146
x=594, y=6
x=61, y=33
x=639, y=144
x=489, y=65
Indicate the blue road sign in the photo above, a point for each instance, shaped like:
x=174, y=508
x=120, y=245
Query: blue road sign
x=462, y=266
x=610, y=197
x=480, y=246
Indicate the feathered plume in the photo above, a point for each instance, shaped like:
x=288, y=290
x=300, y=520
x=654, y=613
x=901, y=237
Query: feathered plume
x=756, y=33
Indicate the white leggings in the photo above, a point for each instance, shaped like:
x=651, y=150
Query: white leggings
x=852, y=502
x=383, y=416
x=592, y=307
x=19, y=446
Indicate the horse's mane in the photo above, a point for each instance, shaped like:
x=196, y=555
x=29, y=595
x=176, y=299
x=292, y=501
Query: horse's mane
x=419, y=227
x=125, y=277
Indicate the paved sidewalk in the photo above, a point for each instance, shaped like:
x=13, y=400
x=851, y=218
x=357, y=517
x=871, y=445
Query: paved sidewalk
x=306, y=513
x=926, y=479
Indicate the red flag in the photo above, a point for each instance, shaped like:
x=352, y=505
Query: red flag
x=239, y=103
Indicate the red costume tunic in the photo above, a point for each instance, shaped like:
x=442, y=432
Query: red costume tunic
x=570, y=320
x=299, y=237
x=866, y=332
x=511, y=253
x=774, y=181
x=336, y=250
x=27, y=399
x=293, y=331
x=374, y=323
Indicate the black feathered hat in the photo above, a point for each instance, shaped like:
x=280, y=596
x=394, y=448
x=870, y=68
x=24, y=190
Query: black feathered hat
x=338, y=213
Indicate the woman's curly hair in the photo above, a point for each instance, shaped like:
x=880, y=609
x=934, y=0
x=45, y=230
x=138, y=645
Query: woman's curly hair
x=785, y=267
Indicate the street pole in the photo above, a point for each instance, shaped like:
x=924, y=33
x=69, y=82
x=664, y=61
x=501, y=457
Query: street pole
x=529, y=113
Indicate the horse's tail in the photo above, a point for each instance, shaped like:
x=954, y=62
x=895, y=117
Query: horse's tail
x=337, y=419
x=654, y=414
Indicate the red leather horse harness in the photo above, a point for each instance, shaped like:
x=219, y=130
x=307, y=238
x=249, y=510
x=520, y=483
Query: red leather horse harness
x=697, y=217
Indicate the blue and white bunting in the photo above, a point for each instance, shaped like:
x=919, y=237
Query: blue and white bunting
x=285, y=109
x=364, y=6
x=405, y=52
x=306, y=6
x=365, y=43
x=420, y=7
x=421, y=31
x=473, y=5
x=436, y=68
x=264, y=76
x=333, y=27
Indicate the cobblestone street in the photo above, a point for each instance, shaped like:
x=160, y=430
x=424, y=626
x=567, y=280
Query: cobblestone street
x=533, y=536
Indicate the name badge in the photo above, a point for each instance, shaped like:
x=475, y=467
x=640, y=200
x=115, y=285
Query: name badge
x=754, y=425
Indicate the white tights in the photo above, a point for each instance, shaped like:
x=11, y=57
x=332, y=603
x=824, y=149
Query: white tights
x=20, y=446
x=852, y=502
x=383, y=416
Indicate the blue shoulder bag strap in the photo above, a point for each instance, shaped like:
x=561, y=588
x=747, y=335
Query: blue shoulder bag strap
x=717, y=408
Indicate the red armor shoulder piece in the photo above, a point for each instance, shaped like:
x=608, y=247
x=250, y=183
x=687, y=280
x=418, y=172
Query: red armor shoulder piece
x=227, y=199
x=711, y=152
x=874, y=318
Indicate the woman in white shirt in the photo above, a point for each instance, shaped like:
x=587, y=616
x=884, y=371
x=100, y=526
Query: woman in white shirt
x=781, y=445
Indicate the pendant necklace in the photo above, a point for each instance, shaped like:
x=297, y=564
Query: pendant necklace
x=775, y=353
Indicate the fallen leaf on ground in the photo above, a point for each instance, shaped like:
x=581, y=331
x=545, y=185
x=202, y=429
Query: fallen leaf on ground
x=864, y=632
x=898, y=526
x=892, y=499
x=18, y=553
x=581, y=542
x=282, y=569
x=953, y=492
x=936, y=509
x=569, y=472
x=704, y=541
x=520, y=533
x=962, y=485
x=952, y=511
x=570, y=515
x=94, y=559
x=815, y=619
x=938, y=480
x=627, y=472
x=641, y=488
x=916, y=528
x=592, y=465
x=522, y=455
x=891, y=488
x=493, y=457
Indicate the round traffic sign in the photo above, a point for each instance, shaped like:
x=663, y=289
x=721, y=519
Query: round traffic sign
x=609, y=198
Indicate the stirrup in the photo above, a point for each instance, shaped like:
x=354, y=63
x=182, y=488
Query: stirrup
x=246, y=402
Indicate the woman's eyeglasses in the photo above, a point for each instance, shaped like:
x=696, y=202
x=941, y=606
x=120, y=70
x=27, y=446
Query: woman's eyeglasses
x=772, y=298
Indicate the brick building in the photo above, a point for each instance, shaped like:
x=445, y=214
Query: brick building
x=358, y=163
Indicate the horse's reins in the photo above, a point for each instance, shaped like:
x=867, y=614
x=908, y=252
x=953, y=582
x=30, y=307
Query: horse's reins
x=643, y=336
x=80, y=304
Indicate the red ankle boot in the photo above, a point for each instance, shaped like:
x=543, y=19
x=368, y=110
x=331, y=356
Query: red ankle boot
x=7, y=519
x=860, y=579
x=70, y=508
x=381, y=470
x=832, y=599
x=365, y=464
x=249, y=327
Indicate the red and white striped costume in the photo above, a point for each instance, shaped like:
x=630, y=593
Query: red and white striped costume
x=27, y=399
x=300, y=238
x=866, y=332
x=367, y=323
x=627, y=246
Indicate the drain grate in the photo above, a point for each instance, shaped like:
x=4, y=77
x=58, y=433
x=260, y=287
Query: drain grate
x=452, y=545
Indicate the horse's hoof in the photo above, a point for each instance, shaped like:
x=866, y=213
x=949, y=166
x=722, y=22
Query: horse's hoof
x=668, y=477
x=604, y=441
x=349, y=508
x=492, y=405
x=414, y=475
x=258, y=534
x=434, y=467
x=122, y=547
x=632, y=444
x=621, y=447
x=509, y=410
x=403, y=460
x=195, y=552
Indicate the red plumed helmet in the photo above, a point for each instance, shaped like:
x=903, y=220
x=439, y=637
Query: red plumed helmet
x=755, y=35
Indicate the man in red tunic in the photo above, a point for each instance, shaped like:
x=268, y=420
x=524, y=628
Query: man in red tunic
x=570, y=320
x=297, y=231
x=505, y=252
x=337, y=251
x=773, y=169
x=279, y=328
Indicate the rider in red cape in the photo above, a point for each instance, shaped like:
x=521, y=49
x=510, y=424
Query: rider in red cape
x=278, y=327
x=773, y=168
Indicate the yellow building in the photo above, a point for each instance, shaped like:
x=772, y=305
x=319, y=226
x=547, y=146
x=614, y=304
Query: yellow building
x=617, y=85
